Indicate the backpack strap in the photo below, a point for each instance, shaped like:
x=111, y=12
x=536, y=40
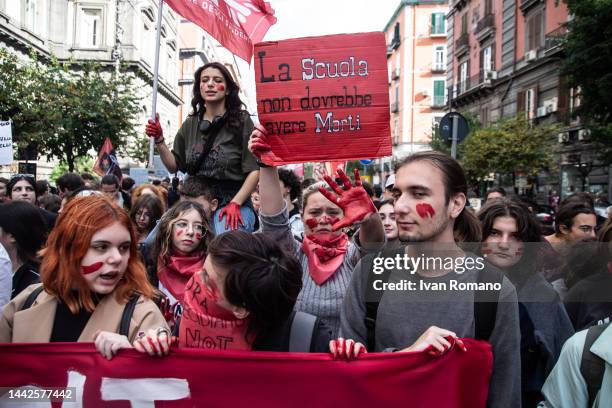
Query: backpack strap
x=32, y=298
x=302, y=328
x=126, y=317
x=372, y=297
x=485, y=304
x=592, y=366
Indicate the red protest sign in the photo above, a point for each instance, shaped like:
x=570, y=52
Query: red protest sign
x=324, y=98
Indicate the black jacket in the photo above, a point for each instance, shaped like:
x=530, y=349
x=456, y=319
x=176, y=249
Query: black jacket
x=278, y=340
x=26, y=275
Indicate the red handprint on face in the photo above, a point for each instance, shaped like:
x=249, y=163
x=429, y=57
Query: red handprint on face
x=353, y=199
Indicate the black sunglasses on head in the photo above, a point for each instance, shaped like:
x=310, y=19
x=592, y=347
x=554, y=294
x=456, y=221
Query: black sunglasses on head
x=22, y=175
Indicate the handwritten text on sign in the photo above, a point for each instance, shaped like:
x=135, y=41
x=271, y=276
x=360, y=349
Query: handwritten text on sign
x=324, y=98
x=6, y=143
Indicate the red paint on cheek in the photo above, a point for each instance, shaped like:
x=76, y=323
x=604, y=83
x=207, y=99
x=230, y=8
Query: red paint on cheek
x=221, y=87
x=179, y=233
x=198, y=236
x=334, y=220
x=312, y=223
x=425, y=210
x=87, y=269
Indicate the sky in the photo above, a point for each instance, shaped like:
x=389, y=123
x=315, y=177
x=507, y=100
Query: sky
x=306, y=18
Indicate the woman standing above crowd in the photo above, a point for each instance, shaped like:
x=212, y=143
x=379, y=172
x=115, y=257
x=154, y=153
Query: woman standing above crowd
x=212, y=142
x=327, y=255
x=94, y=287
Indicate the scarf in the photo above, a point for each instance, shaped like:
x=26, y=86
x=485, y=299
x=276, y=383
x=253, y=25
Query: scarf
x=174, y=271
x=205, y=324
x=325, y=252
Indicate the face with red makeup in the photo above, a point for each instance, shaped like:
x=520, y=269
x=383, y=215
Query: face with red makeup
x=187, y=231
x=107, y=258
x=320, y=214
x=421, y=209
x=213, y=86
x=213, y=277
x=504, y=247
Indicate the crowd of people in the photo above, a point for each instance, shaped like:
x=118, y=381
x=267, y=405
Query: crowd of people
x=267, y=257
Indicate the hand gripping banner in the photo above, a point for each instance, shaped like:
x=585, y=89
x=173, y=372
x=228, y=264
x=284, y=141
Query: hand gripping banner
x=201, y=378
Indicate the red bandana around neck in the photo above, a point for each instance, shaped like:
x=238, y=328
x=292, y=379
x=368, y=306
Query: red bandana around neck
x=325, y=252
x=205, y=324
x=174, y=271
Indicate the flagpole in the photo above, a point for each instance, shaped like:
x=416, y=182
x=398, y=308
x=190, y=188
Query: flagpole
x=155, y=78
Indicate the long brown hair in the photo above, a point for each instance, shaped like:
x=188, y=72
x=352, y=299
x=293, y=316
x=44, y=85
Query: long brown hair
x=466, y=227
x=60, y=271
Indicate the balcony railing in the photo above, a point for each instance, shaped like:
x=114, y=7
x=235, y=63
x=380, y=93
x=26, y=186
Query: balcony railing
x=485, y=22
x=462, y=41
x=438, y=101
x=555, y=38
x=437, y=67
x=470, y=83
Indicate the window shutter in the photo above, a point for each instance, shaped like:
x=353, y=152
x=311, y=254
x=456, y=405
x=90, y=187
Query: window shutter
x=481, y=70
x=434, y=29
x=493, y=57
x=520, y=102
x=538, y=30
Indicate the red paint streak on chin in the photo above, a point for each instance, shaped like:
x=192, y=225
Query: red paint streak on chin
x=312, y=223
x=221, y=87
x=87, y=269
x=425, y=210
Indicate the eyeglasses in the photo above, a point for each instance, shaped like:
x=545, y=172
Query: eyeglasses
x=23, y=175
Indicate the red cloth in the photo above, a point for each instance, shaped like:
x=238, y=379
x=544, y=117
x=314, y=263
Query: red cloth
x=205, y=324
x=236, y=24
x=260, y=379
x=175, y=271
x=325, y=253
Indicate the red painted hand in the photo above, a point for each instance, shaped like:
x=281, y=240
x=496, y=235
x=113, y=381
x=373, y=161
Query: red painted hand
x=341, y=349
x=154, y=129
x=259, y=145
x=353, y=199
x=232, y=215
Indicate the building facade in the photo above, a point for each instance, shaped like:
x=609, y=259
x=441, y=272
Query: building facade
x=504, y=58
x=416, y=57
x=109, y=32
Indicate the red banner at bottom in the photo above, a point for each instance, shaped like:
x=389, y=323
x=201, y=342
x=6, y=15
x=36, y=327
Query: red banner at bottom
x=198, y=378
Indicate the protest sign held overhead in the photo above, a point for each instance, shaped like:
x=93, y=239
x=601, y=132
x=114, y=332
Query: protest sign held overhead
x=6, y=143
x=324, y=98
x=236, y=24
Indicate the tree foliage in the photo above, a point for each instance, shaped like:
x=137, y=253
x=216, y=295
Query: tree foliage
x=588, y=65
x=507, y=146
x=66, y=112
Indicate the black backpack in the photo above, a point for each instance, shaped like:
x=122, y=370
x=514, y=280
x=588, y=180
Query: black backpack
x=485, y=305
x=592, y=367
x=126, y=317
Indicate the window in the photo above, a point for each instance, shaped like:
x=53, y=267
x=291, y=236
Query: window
x=91, y=28
x=145, y=43
x=398, y=59
x=439, y=58
x=389, y=69
x=464, y=23
x=463, y=76
x=487, y=60
x=534, y=31
x=437, y=23
x=488, y=7
x=530, y=103
x=30, y=14
x=439, y=87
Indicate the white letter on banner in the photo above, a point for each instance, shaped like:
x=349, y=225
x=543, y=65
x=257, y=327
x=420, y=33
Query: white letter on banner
x=143, y=392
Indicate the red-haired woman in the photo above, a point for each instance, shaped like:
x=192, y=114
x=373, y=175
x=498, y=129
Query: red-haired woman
x=90, y=273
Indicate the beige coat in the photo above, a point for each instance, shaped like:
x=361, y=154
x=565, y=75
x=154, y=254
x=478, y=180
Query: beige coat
x=34, y=325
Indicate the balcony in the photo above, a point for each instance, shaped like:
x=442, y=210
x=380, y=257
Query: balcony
x=485, y=27
x=555, y=40
x=438, y=101
x=472, y=88
x=462, y=44
x=438, y=67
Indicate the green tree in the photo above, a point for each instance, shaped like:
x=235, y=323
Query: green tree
x=83, y=164
x=588, y=66
x=508, y=146
x=65, y=112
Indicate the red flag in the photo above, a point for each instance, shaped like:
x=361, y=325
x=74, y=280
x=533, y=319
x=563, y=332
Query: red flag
x=202, y=378
x=107, y=161
x=236, y=24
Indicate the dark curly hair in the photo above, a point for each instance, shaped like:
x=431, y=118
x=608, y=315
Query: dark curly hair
x=291, y=180
x=233, y=103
